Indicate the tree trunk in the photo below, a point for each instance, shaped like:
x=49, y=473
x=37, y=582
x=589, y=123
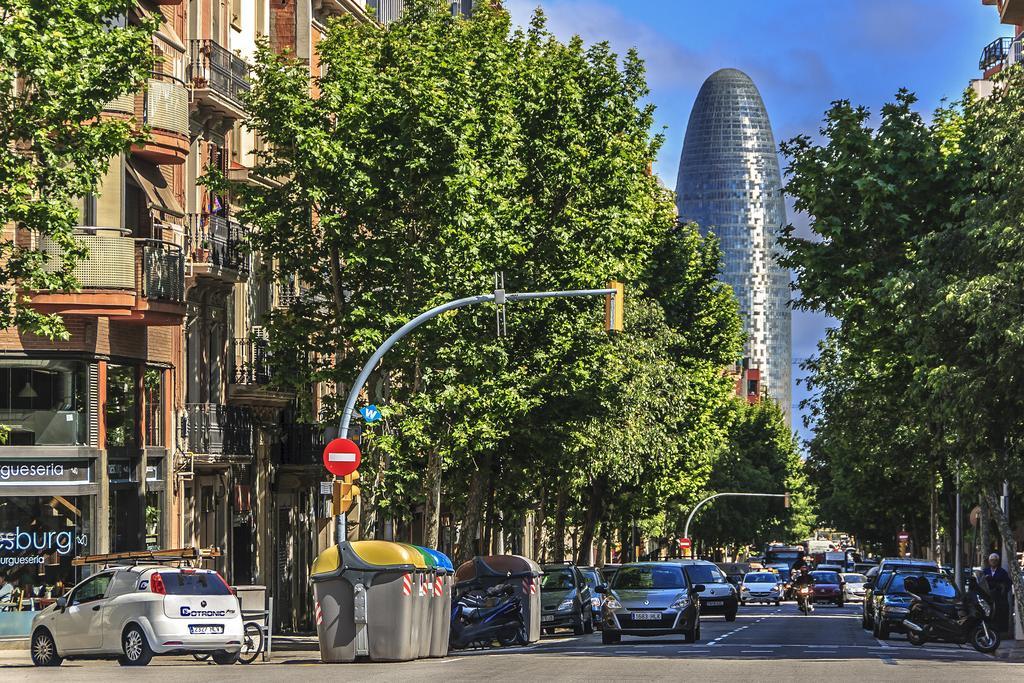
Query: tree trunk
x=983, y=522
x=595, y=510
x=599, y=549
x=1009, y=550
x=488, y=537
x=561, y=505
x=432, y=494
x=538, y=526
x=478, y=485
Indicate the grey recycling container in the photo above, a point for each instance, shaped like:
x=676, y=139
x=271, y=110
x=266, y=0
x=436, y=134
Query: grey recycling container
x=364, y=601
x=423, y=583
x=441, y=604
x=520, y=572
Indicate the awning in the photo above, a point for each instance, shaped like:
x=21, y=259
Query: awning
x=154, y=184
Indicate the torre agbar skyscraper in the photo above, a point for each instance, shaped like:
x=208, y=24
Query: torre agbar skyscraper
x=729, y=184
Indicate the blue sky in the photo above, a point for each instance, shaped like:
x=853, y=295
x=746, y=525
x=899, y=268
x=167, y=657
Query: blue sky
x=802, y=54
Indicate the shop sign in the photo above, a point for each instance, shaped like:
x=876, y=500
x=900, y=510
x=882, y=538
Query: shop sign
x=38, y=473
x=20, y=540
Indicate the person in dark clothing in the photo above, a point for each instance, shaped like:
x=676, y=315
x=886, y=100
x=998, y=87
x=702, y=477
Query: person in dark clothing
x=1001, y=587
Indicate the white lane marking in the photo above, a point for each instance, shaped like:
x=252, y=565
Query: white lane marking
x=755, y=652
x=883, y=643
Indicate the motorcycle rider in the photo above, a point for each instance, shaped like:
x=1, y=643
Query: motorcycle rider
x=803, y=578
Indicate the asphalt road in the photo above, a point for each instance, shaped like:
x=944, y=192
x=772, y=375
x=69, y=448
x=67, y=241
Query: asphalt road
x=764, y=643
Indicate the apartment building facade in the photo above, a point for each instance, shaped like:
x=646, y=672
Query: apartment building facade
x=154, y=424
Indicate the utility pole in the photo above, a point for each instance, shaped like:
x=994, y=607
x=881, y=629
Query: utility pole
x=958, y=564
x=614, y=310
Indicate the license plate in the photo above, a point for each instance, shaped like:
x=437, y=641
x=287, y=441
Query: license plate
x=646, y=616
x=714, y=603
x=206, y=629
x=549, y=617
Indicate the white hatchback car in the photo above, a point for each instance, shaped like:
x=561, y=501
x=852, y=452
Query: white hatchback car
x=761, y=586
x=854, y=586
x=133, y=613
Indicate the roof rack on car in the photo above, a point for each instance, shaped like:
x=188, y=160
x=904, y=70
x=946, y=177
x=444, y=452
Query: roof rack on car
x=149, y=556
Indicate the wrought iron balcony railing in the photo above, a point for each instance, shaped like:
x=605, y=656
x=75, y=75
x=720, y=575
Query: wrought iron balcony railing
x=301, y=444
x=215, y=429
x=251, y=362
x=217, y=241
x=217, y=68
x=994, y=53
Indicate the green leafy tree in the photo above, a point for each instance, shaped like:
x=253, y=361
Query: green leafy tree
x=60, y=62
x=917, y=256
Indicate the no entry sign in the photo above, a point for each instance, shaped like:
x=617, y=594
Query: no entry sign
x=684, y=544
x=341, y=457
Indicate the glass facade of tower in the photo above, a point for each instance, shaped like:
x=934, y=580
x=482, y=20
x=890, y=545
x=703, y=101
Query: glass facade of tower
x=729, y=183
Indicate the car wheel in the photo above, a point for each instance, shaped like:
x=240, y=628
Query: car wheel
x=44, y=650
x=135, y=647
x=610, y=637
x=864, y=623
x=588, y=628
x=881, y=630
x=224, y=657
x=578, y=626
x=840, y=602
x=778, y=602
x=730, y=616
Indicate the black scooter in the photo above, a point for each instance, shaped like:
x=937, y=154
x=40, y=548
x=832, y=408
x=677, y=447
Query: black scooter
x=476, y=623
x=960, y=621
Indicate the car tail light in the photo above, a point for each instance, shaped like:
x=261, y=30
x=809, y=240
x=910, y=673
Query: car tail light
x=156, y=584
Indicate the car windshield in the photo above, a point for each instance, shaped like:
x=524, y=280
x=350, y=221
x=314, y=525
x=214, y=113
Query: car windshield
x=705, y=573
x=556, y=579
x=939, y=585
x=592, y=577
x=649, y=577
x=760, y=578
x=855, y=578
x=194, y=583
x=825, y=577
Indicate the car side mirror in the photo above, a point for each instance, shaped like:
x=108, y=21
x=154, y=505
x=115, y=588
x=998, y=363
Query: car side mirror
x=61, y=604
x=698, y=588
x=602, y=589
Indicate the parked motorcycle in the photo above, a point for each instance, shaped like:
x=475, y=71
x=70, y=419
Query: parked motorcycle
x=478, y=622
x=958, y=619
x=804, y=599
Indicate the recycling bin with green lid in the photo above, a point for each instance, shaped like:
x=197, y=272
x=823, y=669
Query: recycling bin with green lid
x=520, y=572
x=441, y=604
x=364, y=601
x=422, y=610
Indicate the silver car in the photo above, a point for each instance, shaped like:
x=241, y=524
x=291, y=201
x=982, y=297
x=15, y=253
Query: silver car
x=761, y=587
x=134, y=613
x=854, y=586
x=650, y=599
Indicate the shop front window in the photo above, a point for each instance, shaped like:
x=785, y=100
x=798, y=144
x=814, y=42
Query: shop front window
x=153, y=385
x=44, y=402
x=39, y=536
x=121, y=407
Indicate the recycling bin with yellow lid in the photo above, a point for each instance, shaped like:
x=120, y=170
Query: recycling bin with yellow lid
x=365, y=603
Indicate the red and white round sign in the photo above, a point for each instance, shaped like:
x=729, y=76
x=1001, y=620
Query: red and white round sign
x=684, y=544
x=341, y=457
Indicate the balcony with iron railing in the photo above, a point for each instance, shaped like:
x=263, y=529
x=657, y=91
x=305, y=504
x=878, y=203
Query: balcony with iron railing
x=215, y=247
x=994, y=54
x=301, y=444
x=251, y=375
x=219, y=77
x=132, y=279
x=219, y=433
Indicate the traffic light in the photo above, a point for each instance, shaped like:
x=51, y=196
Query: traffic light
x=345, y=493
x=614, y=307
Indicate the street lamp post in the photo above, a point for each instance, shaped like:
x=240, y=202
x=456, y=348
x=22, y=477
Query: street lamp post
x=499, y=297
x=698, y=506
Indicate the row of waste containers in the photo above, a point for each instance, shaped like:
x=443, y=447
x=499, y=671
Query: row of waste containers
x=386, y=601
